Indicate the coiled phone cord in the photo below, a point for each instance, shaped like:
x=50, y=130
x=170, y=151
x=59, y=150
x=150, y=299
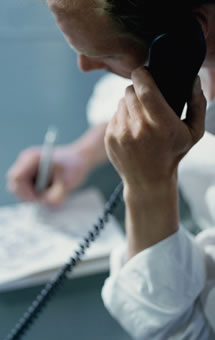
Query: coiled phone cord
x=51, y=287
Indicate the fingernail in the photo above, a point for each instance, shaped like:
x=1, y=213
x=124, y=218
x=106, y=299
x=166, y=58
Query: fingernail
x=197, y=86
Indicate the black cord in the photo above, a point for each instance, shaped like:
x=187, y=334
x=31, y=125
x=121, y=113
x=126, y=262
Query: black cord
x=37, y=306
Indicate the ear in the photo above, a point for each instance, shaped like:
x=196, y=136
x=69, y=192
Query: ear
x=202, y=14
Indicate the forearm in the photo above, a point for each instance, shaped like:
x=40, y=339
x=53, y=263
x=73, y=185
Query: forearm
x=151, y=215
x=88, y=150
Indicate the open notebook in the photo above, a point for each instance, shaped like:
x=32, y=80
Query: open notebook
x=36, y=240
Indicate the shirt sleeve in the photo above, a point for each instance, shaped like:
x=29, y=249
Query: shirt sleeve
x=206, y=240
x=155, y=293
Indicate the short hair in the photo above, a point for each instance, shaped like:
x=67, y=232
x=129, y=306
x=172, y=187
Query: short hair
x=141, y=20
x=144, y=19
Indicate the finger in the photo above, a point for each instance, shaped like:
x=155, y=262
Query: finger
x=118, y=126
x=57, y=191
x=195, y=117
x=23, y=190
x=55, y=195
x=25, y=166
x=111, y=128
x=150, y=96
x=132, y=102
x=122, y=117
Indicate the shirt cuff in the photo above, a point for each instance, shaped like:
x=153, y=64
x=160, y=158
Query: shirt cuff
x=156, y=286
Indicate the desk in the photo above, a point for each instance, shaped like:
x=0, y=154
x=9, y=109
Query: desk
x=75, y=313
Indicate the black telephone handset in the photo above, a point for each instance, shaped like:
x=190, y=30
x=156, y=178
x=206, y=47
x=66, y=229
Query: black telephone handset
x=174, y=61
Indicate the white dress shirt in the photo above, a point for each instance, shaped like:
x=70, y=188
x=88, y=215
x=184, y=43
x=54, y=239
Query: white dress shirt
x=105, y=98
x=166, y=291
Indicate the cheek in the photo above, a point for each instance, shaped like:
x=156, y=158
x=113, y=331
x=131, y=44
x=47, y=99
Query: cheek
x=120, y=63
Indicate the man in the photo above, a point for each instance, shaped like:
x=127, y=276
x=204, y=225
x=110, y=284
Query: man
x=159, y=290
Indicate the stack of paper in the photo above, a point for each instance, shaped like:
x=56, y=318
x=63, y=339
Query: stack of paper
x=36, y=240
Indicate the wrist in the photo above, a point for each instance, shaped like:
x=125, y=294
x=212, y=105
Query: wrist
x=151, y=215
x=134, y=193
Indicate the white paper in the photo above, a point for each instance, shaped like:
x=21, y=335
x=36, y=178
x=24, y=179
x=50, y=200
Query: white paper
x=35, y=239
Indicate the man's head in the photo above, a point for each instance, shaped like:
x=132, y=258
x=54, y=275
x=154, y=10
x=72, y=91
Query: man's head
x=115, y=34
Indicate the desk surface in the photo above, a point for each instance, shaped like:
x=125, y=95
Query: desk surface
x=76, y=312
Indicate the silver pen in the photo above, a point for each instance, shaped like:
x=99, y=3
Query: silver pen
x=45, y=163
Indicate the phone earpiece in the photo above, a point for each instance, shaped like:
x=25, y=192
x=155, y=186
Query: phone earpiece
x=174, y=62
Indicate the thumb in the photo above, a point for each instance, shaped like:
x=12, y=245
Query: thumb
x=195, y=117
x=56, y=193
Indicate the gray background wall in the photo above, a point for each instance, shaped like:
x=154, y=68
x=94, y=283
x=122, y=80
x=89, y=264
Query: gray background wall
x=40, y=83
